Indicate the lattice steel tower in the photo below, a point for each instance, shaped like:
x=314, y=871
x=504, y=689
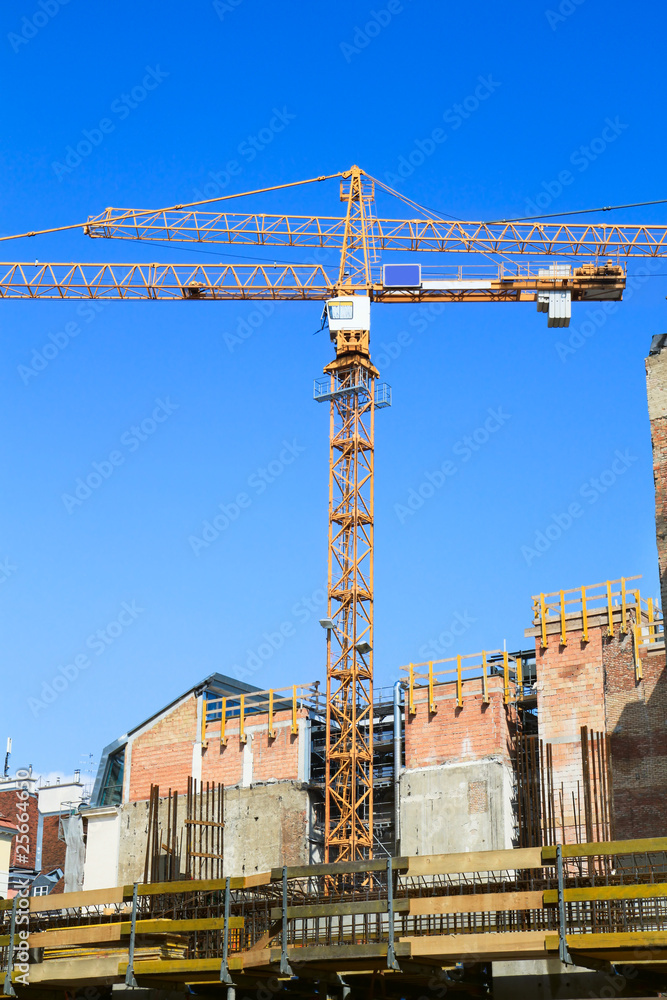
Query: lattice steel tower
x=351, y=389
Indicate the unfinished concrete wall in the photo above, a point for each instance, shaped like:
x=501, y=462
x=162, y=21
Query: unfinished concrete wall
x=132, y=840
x=550, y=979
x=457, y=788
x=457, y=807
x=266, y=825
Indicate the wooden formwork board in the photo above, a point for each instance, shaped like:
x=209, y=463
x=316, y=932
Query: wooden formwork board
x=512, y=859
x=479, y=947
x=585, y=893
x=98, y=933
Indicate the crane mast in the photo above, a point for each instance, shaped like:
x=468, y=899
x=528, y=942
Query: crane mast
x=351, y=391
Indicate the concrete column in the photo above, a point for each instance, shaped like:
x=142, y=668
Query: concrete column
x=197, y=746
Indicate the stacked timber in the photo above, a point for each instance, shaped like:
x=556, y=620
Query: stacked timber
x=162, y=948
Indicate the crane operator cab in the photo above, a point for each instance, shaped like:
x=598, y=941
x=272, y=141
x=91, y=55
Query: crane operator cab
x=349, y=321
x=349, y=312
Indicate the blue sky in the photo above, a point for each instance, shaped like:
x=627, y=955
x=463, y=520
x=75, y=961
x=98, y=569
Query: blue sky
x=287, y=91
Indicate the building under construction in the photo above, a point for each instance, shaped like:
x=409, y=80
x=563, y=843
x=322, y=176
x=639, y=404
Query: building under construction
x=491, y=824
x=559, y=743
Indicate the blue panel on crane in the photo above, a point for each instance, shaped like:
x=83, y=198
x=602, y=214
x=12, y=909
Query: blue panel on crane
x=402, y=275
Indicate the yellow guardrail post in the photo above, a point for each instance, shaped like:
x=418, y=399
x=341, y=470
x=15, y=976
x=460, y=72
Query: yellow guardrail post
x=624, y=627
x=638, y=660
x=610, y=610
x=459, y=685
x=242, y=736
x=584, y=613
x=485, y=686
x=638, y=607
x=563, y=629
x=506, y=676
x=272, y=732
x=651, y=630
x=295, y=728
x=223, y=717
x=203, y=719
x=543, y=620
x=432, y=707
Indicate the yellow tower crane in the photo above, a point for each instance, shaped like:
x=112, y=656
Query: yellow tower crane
x=351, y=384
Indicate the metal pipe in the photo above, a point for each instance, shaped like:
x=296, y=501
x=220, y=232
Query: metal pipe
x=398, y=687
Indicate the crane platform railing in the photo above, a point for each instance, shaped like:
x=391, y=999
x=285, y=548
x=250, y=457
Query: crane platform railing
x=561, y=273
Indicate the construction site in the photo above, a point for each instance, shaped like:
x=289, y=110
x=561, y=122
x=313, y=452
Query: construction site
x=488, y=825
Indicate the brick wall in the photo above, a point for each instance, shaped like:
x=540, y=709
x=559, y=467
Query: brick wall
x=225, y=763
x=570, y=686
x=656, y=389
x=452, y=734
x=593, y=684
x=570, y=694
x=637, y=722
x=11, y=806
x=163, y=754
x=266, y=759
x=277, y=758
x=53, y=849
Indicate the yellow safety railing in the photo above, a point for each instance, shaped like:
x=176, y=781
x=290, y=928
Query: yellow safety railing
x=646, y=634
x=242, y=708
x=607, y=598
x=476, y=666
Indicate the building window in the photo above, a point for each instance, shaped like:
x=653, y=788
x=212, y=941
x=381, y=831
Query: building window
x=40, y=890
x=112, y=789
